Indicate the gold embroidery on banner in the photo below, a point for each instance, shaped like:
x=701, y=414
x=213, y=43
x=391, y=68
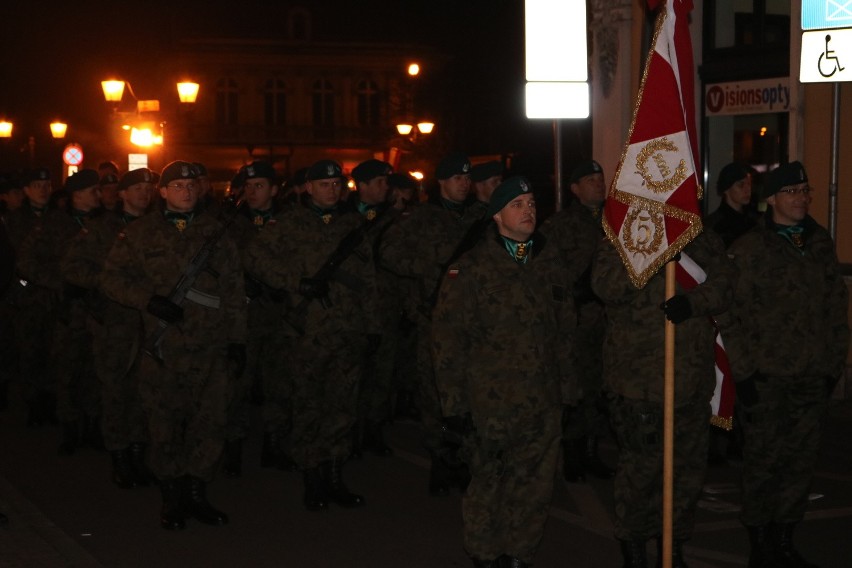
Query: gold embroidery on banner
x=653, y=150
x=648, y=227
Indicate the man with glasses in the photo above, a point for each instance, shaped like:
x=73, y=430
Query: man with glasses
x=791, y=305
x=186, y=383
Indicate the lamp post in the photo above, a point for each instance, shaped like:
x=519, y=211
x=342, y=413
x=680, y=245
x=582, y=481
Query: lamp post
x=146, y=127
x=58, y=130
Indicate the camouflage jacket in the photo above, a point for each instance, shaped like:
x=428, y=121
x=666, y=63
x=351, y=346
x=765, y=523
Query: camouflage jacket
x=150, y=256
x=421, y=244
x=791, y=305
x=295, y=245
x=502, y=332
x=43, y=248
x=634, y=348
x=19, y=223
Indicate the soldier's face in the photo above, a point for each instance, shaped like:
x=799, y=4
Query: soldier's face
x=455, y=188
x=789, y=208
x=86, y=199
x=590, y=190
x=109, y=195
x=38, y=192
x=181, y=195
x=137, y=198
x=739, y=194
x=517, y=219
x=14, y=198
x=259, y=193
x=325, y=193
x=484, y=189
x=374, y=191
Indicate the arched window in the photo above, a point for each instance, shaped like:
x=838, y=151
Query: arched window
x=368, y=103
x=323, y=103
x=226, y=101
x=274, y=103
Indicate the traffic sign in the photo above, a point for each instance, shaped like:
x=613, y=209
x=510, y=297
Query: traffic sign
x=826, y=56
x=72, y=155
x=826, y=14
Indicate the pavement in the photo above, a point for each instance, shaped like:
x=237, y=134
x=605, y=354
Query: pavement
x=64, y=512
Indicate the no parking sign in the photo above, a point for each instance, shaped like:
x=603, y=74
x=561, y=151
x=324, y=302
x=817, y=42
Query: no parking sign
x=72, y=155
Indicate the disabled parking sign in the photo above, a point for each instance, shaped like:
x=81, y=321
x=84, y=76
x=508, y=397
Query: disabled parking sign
x=826, y=56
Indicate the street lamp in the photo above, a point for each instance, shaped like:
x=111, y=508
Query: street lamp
x=423, y=127
x=58, y=129
x=6, y=129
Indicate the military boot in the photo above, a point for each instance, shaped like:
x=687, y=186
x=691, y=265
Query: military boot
x=70, y=440
x=316, y=498
x=172, y=515
x=573, y=459
x=332, y=473
x=762, y=553
x=677, y=554
x=196, y=505
x=786, y=555
x=122, y=472
x=233, y=463
x=592, y=462
x=142, y=476
x=374, y=440
x=634, y=554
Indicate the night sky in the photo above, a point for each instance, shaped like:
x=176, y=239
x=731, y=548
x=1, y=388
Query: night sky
x=54, y=54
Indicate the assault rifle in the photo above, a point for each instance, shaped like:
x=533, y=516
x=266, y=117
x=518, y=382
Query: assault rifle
x=198, y=264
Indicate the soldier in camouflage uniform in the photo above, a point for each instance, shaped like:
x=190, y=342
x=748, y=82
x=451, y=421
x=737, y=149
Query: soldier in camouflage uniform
x=371, y=179
x=33, y=304
x=117, y=331
x=502, y=342
x=336, y=320
x=484, y=179
x=419, y=248
x=577, y=231
x=791, y=303
x=634, y=357
x=186, y=393
x=39, y=262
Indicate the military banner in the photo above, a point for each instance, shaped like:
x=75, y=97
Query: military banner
x=651, y=211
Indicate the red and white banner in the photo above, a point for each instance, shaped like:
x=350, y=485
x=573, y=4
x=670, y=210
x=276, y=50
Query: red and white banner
x=689, y=275
x=652, y=210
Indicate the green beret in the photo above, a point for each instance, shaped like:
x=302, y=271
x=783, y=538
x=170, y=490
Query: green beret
x=506, y=192
x=82, y=179
x=584, y=169
x=324, y=169
x=365, y=171
x=452, y=165
x=782, y=176
x=139, y=175
x=178, y=170
x=730, y=174
x=259, y=169
x=482, y=172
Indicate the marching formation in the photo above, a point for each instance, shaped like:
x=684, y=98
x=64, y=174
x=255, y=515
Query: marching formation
x=145, y=317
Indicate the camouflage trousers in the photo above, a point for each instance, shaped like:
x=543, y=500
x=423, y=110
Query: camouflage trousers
x=374, y=401
x=512, y=472
x=428, y=400
x=270, y=362
x=77, y=387
x=33, y=336
x=638, y=484
x=782, y=438
x=186, y=403
x=326, y=371
x=122, y=418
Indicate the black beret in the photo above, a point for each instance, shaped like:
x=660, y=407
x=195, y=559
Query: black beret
x=37, y=174
x=239, y=179
x=365, y=171
x=259, y=169
x=452, y=165
x=81, y=180
x=300, y=176
x=402, y=181
x=506, y=192
x=482, y=172
x=584, y=169
x=782, y=176
x=178, y=170
x=730, y=174
x=108, y=178
x=202, y=169
x=139, y=175
x=324, y=169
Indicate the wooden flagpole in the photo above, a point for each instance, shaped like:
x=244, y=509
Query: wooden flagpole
x=668, y=425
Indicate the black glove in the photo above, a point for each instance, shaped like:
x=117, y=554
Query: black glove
x=253, y=287
x=164, y=309
x=456, y=428
x=73, y=292
x=237, y=358
x=677, y=309
x=313, y=288
x=747, y=389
